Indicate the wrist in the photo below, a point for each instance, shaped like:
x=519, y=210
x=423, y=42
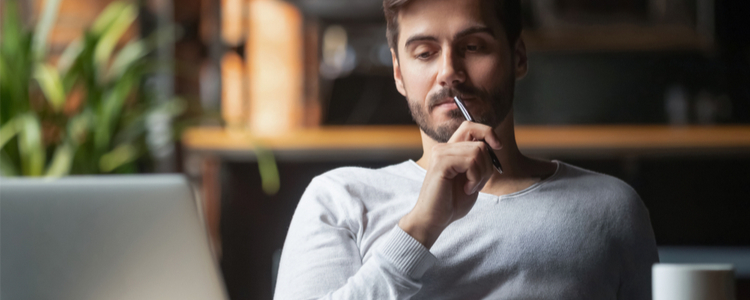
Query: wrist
x=420, y=231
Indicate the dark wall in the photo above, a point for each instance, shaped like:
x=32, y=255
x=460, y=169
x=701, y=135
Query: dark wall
x=578, y=88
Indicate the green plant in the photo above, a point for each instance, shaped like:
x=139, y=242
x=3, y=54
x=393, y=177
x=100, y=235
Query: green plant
x=87, y=114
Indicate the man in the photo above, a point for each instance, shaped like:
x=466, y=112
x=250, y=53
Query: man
x=449, y=226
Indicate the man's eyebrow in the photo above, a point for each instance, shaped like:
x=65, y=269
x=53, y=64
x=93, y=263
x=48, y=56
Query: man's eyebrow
x=461, y=34
x=419, y=38
x=473, y=30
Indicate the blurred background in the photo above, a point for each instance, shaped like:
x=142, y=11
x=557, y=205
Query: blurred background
x=253, y=98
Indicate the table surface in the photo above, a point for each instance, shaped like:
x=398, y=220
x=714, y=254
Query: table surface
x=599, y=140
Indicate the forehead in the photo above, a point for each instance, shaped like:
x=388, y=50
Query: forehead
x=443, y=18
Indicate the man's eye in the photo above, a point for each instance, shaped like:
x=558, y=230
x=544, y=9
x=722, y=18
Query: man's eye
x=423, y=55
x=472, y=48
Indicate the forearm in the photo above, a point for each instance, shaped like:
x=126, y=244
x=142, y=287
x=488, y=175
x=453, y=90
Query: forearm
x=417, y=229
x=393, y=272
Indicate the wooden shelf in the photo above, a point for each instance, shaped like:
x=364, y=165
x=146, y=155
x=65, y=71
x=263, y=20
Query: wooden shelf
x=338, y=137
x=638, y=140
x=373, y=142
x=323, y=143
x=616, y=38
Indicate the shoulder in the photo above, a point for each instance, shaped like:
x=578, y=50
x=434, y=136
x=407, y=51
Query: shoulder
x=346, y=193
x=353, y=177
x=620, y=209
x=616, y=201
x=604, y=192
x=361, y=184
x=596, y=184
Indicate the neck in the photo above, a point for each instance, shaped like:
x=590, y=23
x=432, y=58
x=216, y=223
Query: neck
x=519, y=171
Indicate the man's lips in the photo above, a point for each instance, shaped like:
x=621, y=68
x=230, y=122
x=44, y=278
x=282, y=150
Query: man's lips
x=449, y=104
x=446, y=105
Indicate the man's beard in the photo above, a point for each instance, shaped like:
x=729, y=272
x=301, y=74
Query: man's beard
x=500, y=101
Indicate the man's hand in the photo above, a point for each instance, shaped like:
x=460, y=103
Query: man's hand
x=457, y=171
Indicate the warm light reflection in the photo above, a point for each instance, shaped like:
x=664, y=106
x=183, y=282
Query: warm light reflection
x=233, y=95
x=274, y=58
x=233, y=14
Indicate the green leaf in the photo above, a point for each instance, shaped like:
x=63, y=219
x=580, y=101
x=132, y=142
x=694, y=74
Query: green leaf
x=15, y=49
x=84, y=68
x=122, y=154
x=269, y=172
x=7, y=168
x=70, y=55
x=12, y=33
x=46, y=21
x=112, y=34
x=107, y=17
x=137, y=49
x=52, y=87
x=110, y=110
x=79, y=126
x=30, y=145
x=61, y=161
x=8, y=131
x=3, y=70
x=7, y=108
x=126, y=57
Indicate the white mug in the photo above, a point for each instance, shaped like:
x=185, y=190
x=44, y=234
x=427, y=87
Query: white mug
x=692, y=282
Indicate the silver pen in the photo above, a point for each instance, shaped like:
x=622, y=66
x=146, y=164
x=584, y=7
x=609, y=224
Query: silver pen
x=465, y=112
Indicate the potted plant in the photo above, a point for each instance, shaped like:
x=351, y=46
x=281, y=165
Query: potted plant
x=87, y=114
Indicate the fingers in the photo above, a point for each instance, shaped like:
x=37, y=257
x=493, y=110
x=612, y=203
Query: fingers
x=478, y=174
x=469, y=158
x=470, y=131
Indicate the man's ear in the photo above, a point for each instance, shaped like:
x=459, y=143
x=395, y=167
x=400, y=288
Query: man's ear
x=397, y=74
x=521, y=61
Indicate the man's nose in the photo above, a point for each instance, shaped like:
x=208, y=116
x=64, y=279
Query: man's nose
x=451, y=69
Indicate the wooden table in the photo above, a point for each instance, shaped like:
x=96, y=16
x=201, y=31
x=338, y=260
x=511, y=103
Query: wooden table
x=206, y=148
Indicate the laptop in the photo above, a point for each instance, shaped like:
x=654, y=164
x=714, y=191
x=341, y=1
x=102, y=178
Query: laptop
x=104, y=237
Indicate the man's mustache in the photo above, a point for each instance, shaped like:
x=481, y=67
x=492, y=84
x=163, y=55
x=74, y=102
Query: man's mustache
x=461, y=92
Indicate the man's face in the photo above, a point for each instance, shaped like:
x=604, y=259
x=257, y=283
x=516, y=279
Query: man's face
x=455, y=48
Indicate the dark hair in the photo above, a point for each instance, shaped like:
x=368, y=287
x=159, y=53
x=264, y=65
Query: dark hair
x=507, y=11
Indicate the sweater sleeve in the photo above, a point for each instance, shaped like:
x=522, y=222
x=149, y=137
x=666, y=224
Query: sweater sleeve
x=639, y=251
x=321, y=257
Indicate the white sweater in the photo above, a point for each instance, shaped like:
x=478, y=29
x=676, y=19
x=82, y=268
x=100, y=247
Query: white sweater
x=575, y=235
